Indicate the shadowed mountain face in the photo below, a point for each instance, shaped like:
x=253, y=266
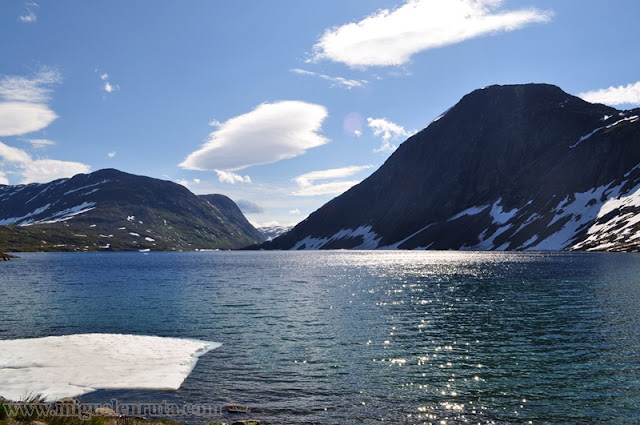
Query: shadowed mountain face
x=508, y=167
x=112, y=210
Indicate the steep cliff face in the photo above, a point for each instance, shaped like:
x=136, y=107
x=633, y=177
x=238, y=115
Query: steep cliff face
x=508, y=167
x=112, y=210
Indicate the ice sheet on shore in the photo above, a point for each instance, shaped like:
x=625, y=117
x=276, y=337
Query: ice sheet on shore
x=72, y=365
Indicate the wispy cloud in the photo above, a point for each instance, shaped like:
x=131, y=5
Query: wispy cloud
x=294, y=211
x=23, y=102
x=388, y=131
x=308, y=186
x=40, y=143
x=391, y=37
x=621, y=95
x=112, y=154
x=269, y=133
x=36, y=89
x=336, y=81
x=231, y=177
x=29, y=17
x=38, y=170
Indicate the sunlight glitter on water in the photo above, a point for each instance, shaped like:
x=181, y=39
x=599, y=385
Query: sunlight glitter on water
x=364, y=337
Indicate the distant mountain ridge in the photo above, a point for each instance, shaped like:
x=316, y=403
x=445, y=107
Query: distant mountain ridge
x=519, y=167
x=272, y=232
x=113, y=210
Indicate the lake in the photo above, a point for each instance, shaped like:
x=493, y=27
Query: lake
x=360, y=337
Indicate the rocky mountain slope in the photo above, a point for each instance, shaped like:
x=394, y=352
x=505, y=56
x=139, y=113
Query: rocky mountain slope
x=521, y=167
x=112, y=210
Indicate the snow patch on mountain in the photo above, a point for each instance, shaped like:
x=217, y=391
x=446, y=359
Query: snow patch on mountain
x=272, y=232
x=87, y=186
x=529, y=242
x=587, y=136
x=24, y=220
x=488, y=243
x=576, y=212
x=469, y=211
x=617, y=228
x=370, y=239
x=499, y=215
x=67, y=214
x=397, y=244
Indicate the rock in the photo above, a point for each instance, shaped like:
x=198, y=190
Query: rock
x=105, y=411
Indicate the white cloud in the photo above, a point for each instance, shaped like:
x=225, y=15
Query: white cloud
x=40, y=143
x=388, y=131
x=46, y=170
x=269, y=133
x=391, y=37
x=230, y=177
x=3, y=178
x=332, y=188
x=294, y=211
x=337, y=81
x=39, y=170
x=29, y=17
x=11, y=154
x=112, y=154
x=186, y=183
x=308, y=186
x=308, y=179
x=107, y=86
x=17, y=118
x=23, y=107
x=629, y=94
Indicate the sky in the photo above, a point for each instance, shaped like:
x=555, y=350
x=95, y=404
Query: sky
x=280, y=105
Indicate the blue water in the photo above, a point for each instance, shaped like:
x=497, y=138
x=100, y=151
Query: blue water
x=361, y=337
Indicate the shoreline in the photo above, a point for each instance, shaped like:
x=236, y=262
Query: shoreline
x=6, y=257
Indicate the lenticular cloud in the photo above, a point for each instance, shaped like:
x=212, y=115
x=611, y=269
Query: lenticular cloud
x=72, y=365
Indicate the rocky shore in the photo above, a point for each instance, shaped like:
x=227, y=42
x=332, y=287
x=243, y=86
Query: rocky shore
x=6, y=257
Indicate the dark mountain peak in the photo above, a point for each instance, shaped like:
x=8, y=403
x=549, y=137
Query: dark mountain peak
x=489, y=173
x=530, y=90
x=117, y=210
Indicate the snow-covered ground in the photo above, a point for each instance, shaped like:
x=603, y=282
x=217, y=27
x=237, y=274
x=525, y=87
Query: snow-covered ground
x=72, y=365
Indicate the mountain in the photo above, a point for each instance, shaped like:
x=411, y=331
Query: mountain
x=519, y=167
x=232, y=214
x=272, y=232
x=112, y=210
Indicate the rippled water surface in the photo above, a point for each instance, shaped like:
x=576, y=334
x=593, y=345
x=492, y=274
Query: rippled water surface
x=361, y=337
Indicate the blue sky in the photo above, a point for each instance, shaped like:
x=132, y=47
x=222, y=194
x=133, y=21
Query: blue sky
x=280, y=105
